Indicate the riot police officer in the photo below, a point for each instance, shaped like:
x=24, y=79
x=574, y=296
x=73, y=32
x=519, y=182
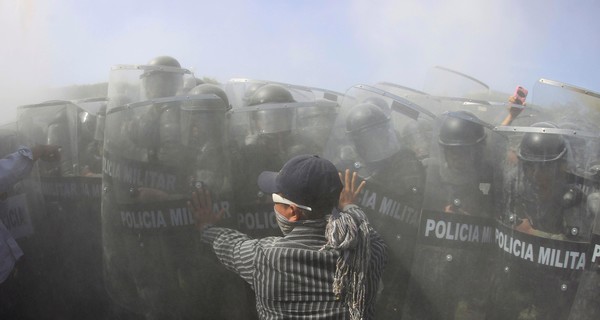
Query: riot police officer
x=395, y=170
x=461, y=171
x=157, y=130
x=314, y=124
x=450, y=278
x=545, y=204
x=204, y=139
x=387, y=163
x=549, y=193
x=269, y=141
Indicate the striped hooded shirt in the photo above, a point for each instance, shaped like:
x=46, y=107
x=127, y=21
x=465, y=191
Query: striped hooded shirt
x=291, y=276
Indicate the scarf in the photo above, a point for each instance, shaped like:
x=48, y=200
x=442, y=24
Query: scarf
x=349, y=233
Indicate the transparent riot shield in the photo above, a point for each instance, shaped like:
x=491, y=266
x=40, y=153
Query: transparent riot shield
x=134, y=83
x=72, y=200
x=450, y=272
x=91, y=135
x=544, y=223
x=399, y=90
x=365, y=139
x=444, y=82
x=53, y=122
x=263, y=137
x=155, y=153
x=575, y=110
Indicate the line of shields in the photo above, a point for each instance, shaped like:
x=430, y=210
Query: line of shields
x=159, y=146
x=54, y=213
x=481, y=221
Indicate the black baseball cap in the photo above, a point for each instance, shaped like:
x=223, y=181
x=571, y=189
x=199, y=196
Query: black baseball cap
x=305, y=179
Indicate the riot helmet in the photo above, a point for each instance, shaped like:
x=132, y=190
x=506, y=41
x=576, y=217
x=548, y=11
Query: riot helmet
x=542, y=147
x=204, y=120
x=542, y=156
x=271, y=93
x=380, y=103
x=251, y=89
x=272, y=120
x=208, y=88
x=462, y=138
x=372, y=132
x=461, y=128
x=160, y=83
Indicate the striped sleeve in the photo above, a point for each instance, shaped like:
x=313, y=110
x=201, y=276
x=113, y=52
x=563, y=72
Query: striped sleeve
x=235, y=250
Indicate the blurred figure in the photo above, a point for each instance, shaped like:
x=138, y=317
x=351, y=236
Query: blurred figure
x=314, y=124
x=13, y=168
x=203, y=126
x=417, y=137
x=16, y=166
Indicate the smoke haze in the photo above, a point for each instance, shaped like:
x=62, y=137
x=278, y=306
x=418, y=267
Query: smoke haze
x=333, y=44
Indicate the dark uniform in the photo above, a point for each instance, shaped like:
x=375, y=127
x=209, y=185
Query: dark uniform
x=450, y=273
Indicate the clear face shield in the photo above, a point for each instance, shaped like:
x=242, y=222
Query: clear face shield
x=272, y=121
x=316, y=122
x=376, y=143
x=463, y=158
x=161, y=84
x=201, y=126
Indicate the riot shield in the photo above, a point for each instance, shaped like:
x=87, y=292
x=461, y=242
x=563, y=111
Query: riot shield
x=134, y=83
x=444, y=82
x=91, y=135
x=544, y=221
x=365, y=139
x=53, y=122
x=72, y=200
x=576, y=110
x=263, y=137
x=154, y=262
x=450, y=272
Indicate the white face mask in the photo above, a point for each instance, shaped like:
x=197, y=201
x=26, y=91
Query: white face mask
x=285, y=225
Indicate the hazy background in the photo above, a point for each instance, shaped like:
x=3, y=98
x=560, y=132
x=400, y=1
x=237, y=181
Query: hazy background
x=328, y=44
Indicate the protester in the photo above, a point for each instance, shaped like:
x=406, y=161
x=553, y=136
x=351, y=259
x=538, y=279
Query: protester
x=329, y=262
x=14, y=168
